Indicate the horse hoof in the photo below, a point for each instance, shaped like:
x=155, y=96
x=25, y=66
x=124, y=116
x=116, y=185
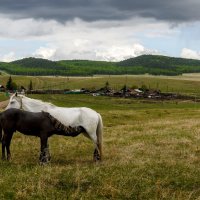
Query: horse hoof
x=43, y=163
x=97, y=159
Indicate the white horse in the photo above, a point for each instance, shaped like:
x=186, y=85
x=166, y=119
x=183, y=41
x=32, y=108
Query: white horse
x=89, y=119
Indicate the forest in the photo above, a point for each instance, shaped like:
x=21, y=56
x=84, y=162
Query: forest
x=145, y=64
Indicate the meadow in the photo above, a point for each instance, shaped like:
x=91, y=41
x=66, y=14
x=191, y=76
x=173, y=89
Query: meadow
x=184, y=84
x=151, y=148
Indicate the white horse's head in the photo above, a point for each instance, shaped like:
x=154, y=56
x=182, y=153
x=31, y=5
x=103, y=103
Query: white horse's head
x=15, y=101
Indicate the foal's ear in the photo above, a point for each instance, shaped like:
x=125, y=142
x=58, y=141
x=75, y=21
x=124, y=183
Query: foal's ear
x=16, y=94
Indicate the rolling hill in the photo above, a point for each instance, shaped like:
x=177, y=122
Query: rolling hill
x=152, y=64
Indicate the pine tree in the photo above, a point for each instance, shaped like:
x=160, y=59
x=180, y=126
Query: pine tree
x=30, y=87
x=9, y=84
x=107, y=86
x=124, y=89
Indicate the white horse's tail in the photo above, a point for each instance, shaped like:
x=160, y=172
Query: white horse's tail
x=100, y=136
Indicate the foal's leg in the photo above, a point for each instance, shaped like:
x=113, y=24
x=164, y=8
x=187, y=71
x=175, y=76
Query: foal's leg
x=3, y=147
x=6, y=144
x=44, y=155
x=8, y=140
x=48, y=153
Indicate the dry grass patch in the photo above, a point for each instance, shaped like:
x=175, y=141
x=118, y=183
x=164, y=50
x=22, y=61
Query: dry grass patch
x=150, y=152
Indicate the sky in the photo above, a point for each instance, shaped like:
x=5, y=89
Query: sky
x=111, y=30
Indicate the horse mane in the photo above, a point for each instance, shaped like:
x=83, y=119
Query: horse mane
x=57, y=124
x=61, y=127
x=36, y=100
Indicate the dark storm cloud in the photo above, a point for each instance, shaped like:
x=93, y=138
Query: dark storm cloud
x=92, y=10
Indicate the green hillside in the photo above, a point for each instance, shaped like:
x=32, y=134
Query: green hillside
x=159, y=61
x=38, y=63
x=151, y=64
x=154, y=64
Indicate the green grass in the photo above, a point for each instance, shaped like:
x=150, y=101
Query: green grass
x=3, y=97
x=151, y=151
x=151, y=148
x=186, y=84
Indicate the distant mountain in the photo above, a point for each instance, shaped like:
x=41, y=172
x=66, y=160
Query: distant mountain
x=152, y=64
x=158, y=61
x=38, y=63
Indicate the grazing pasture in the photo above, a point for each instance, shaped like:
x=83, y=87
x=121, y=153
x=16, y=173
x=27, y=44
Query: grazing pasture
x=185, y=84
x=151, y=151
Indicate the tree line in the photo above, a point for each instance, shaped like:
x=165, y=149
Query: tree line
x=151, y=64
x=12, y=86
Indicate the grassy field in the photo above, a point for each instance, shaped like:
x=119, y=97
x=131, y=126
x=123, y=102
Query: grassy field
x=151, y=151
x=185, y=84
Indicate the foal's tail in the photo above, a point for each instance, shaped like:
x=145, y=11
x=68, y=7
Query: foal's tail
x=100, y=136
x=1, y=134
x=0, y=130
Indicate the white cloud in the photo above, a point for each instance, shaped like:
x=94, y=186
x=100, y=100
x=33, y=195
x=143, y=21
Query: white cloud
x=44, y=52
x=118, y=53
x=189, y=53
x=78, y=39
x=8, y=57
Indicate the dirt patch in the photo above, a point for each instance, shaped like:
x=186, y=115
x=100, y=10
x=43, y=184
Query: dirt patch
x=3, y=104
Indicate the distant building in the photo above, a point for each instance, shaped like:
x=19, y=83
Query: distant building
x=2, y=88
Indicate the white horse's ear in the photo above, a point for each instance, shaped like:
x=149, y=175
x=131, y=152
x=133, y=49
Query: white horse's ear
x=16, y=94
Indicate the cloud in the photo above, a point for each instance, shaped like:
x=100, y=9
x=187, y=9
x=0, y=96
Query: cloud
x=78, y=39
x=189, y=53
x=93, y=29
x=118, y=53
x=23, y=28
x=107, y=53
x=45, y=52
x=101, y=40
x=94, y=10
x=8, y=57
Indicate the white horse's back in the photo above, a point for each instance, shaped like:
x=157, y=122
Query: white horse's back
x=82, y=116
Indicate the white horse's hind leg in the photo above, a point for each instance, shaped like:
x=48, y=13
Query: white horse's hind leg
x=96, y=155
x=93, y=137
x=94, y=131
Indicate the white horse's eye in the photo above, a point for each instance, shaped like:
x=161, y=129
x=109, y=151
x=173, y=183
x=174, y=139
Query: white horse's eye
x=12, y=102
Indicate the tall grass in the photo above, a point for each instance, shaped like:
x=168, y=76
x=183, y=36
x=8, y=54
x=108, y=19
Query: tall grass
x=151, y=151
